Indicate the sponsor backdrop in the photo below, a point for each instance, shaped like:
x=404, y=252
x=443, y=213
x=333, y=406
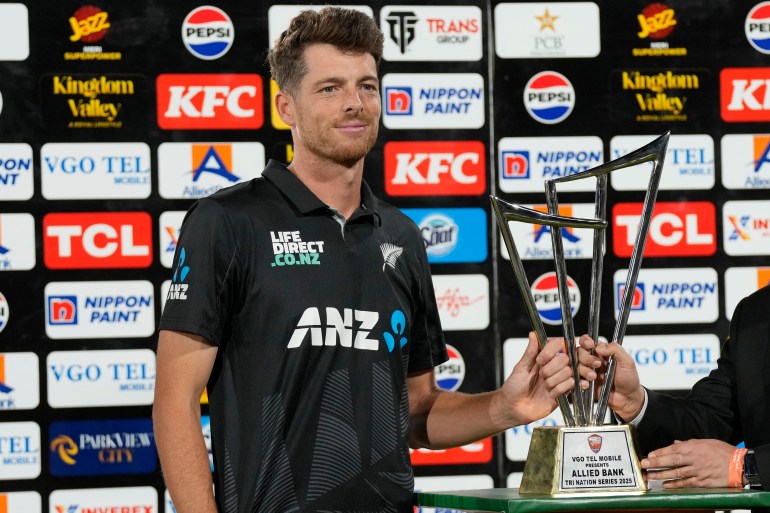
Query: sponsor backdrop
x=115, y=117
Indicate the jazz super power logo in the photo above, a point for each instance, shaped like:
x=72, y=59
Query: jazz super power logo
x=549, y=97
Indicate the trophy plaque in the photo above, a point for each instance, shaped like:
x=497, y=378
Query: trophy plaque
x=585, y=456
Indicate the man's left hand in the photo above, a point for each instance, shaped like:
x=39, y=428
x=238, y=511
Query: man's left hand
x=701, y=463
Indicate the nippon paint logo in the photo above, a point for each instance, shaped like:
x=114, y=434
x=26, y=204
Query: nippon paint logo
x=673, y=362
x=550, y=30
x=671, y=296
x=684, y=228
x=452, y=235
x=744, y=94
x=111, y=170
x=477, y=452
x=196, y=170
x=448, y=483
x=549, y=97
x=746, y=227
x=99, y=309
x=20, y=502
x=279, y=16
x=757, y=27
x=431, y=33
x=17, y=242
x=525, y=163
x=16, y=171
x=742, y=281
x=169, y=225
x=129, y=499
x=545, y=291
x=462, y=300
x=533, y=241
x=747, y=156
x=19, y=381
x=207, y=32
x=14, y=32
x=19, y=450
x=689, y=163
x=120, y=377
x=433, y=100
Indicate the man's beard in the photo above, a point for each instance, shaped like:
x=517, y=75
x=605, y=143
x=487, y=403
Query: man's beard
x=347, y=154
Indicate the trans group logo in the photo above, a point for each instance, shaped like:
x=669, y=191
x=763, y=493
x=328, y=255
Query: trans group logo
x=549, y=97
x=450, y=374
x=757, y=27
x=207, y=32
x=545, y=290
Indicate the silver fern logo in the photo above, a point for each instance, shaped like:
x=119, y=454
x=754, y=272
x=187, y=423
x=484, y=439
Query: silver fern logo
x=390, y=253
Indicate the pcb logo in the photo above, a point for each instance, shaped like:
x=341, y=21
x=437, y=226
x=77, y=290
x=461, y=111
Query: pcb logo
x=595, y=443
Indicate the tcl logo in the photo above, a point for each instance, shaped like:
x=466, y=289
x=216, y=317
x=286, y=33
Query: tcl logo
x=478, y=452
x=422, y=168
x=676, y=229
x=231, y=101
x=97, y=240
x=745, y=94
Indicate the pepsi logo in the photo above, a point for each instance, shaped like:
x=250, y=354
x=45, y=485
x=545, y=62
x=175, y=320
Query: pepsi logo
x=514, y=165
x=549, y=97
x=450, y=374
x=4, y=312
x=757, y=27
x=207, y=32
x=545, y=290
x=398, y=101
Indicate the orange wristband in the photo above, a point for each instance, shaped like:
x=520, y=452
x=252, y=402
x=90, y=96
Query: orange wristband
x=735, y=470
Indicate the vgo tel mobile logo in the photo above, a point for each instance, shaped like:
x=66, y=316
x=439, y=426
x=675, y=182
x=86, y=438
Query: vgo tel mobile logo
x=20, y=502
x=757, y=27
x=744, y=94
x=207, y=32
x=19, y=381
x=451, y=373
x=525, y=163
x=533, y=241
x=689, y=163
x=463, y=301
x=452, y=234
x=671, y=296
x=16, y=179
x=121, y=377
x=19, y=450
x=97, y=240
x=95, y=170
x=545, y=291
x=99, y=309
x=673, y=362
x=196, y=170
x=433, y=100
x=686, y=228
x=133, y=499
x=742, y=281
x=549, y=97
x=170, y=224
x=209, y=101
x=426, y=168
x=17, y=242
x=747, y=156
x=746, y=227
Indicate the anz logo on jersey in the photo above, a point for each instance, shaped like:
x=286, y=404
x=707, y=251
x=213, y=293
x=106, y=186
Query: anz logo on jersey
x=338, y=329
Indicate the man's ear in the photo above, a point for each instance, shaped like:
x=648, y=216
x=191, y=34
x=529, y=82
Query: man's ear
x=285, y=106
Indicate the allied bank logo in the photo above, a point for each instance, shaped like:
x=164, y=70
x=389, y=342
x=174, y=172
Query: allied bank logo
x=401, y=28
x=216, y=159
x=178, y=289
x=62, y=310
x=757, y=27
x=514, y=165
x=638, y=301
x=545, y=290
x=207, y=32
x=398, y=325
x=4, y=388
x=451, y=373
x=549, y=97
x=87, y=448
x=398, y=101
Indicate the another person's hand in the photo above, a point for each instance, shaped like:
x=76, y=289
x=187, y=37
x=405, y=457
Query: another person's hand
x=626, y=395
x=694, y=463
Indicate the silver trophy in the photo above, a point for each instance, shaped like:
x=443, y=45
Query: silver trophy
x=585, y=455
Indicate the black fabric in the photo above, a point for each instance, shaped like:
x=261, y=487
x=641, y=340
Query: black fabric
x=308, y=401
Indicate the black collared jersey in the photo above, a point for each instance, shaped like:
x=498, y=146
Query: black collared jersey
x=318, y=322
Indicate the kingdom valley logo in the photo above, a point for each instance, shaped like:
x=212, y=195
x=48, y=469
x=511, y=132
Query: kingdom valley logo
x=658, y=95
x=89, y=24
x=289, y=249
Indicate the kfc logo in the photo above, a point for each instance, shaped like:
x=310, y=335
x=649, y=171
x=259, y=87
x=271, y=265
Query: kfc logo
x=103, y=240
x=228, y=101
x=745, y=95
x=456, y=168
x=676, y=229
x=478, y=452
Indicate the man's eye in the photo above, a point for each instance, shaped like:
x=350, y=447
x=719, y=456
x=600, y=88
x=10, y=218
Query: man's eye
x=328, y=89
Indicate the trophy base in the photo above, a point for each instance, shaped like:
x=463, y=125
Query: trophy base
x=591, y=459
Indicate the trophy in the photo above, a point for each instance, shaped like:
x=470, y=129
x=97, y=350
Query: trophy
x=585, y=455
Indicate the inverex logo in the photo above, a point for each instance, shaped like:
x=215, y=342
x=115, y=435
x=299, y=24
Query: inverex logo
x=19, y=450
x=169, y=225
x=99, y=309
x=673, y=362
x=686, y=228
x=209, y=101
x=742, y=281
x=746, y=227
x=524, y=163
x=19, y=381
x=452, y=234
x=196, y=170
x=16, y=172
x=689, y=163
x=133, y=499
x=120, y=377
x=426, y=168
x=433, y=100
x=533, y=241
x=97, y=240
x=463, y=301
x=747, y=157
x=745, y=95
x=671, y=296
x=95, y=170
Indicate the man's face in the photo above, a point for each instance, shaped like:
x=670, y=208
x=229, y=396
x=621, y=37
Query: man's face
x=337, y=105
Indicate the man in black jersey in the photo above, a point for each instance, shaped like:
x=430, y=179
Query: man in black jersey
x=305, y=305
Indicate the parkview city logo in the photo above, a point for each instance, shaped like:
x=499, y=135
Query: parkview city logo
x=745, y=94
x=209, y=101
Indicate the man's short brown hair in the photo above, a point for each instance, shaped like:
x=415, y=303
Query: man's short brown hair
x=347, y=29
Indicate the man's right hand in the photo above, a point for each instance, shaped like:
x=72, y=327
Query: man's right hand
x=627, y=395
